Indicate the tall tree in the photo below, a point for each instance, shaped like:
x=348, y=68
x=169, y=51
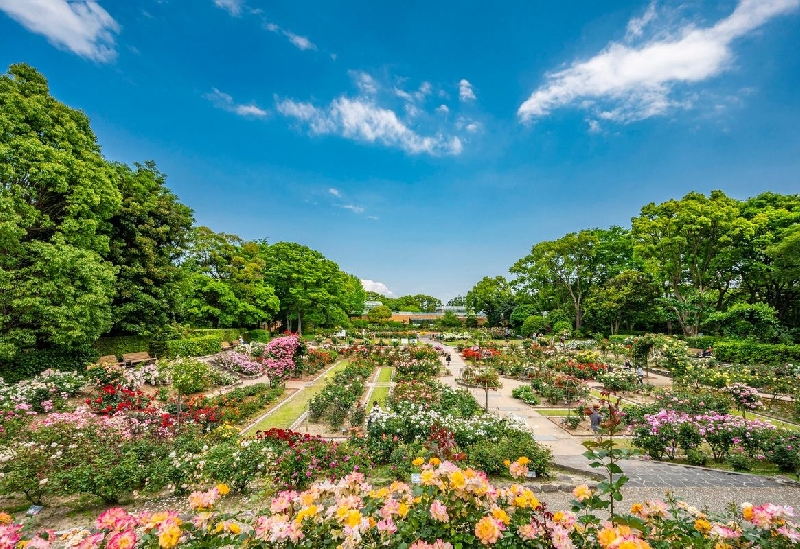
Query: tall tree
x=689, y=246
x=148, y=235
x=57, y=194
x=226, y=283
x=769, y=269
x=629, y=297
x=568, y=263
x=304, y=281
x=494, y=297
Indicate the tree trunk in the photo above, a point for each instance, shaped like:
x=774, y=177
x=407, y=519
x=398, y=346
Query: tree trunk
x=299, y=322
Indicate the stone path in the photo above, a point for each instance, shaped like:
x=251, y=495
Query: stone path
x=568, y=450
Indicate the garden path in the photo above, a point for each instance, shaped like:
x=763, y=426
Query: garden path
x=658, y=476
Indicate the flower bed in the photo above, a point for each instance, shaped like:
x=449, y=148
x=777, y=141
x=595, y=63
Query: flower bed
x=449, y=507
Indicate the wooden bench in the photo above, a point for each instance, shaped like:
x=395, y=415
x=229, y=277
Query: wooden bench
x=134, y=359
x=107, y=359
x=226, y=346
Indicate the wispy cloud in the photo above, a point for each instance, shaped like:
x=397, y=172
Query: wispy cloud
x=82, y=27
x=362, y=120
x=637, y=24
x=443, y=109
x=465, y=91
x=365, y=83
x=234, y=7
x=627, y=82
x=353, y=208
x=225, y=102
x=335, y=192
x=378, y=287
x=301, y=42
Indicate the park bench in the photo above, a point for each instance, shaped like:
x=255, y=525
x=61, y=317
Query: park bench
x=227, y=346
x=134, y=359
x=107, y=359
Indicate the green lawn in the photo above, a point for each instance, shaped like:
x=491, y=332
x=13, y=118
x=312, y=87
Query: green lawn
x=385, y=375
x=378, y=395
x=289, y=412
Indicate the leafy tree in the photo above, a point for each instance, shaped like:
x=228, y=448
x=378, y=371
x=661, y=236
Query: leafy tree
x=458, y=301
x=57, y=194
x=304, y=281
x=450, y=320
x=568, y=263
x=415, y=303
x=379, y=315
x=148, y=235
x=770, y=259
x=521, y=314
x=534, y=324
x=756, y=321
x=689, y=248
x=629, y=297
x=494, y=297
x=226, y=283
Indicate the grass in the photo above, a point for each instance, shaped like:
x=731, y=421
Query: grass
x=289, y=412
x=553, y=412
x=378, y=395
x=385, y=375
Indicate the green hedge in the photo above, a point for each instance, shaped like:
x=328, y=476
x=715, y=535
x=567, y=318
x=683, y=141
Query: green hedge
x=27, y=364
x=195, y=346
x=750, y=352
x=120, y=345
x=257, y=335
x=225, y=334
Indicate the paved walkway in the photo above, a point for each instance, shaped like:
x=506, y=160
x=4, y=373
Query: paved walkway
x=568, y=450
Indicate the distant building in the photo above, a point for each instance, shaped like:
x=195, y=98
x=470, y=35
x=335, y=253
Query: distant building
x=369, y=305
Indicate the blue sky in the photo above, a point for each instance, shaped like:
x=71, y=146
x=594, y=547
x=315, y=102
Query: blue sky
x=424, y=145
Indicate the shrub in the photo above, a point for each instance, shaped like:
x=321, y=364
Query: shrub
x=192, y=347
x=526, y=394
x=750, y=352
x=120, y=345
x=489, y=455
x=34, y=361
x=534, y=324
x=190, y=375
x=696, y=457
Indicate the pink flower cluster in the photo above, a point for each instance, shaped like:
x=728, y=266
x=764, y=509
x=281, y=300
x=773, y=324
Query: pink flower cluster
x=278, y=359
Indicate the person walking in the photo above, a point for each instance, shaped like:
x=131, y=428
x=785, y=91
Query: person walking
x=640, y=375
x=594, y=421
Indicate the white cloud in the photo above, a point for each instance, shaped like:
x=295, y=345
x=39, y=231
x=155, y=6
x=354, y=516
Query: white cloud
x=378, y=287
x=234, y=7
x=365, y=83
x=637, y=25
x=353, y=208
x=362, y=120
x=443, y=109
x=465, y=91
x=594, y=126
x=637, y=82
x=82, y=27
x=472, y=127
x=301, y=42
x=335, y=192
x=423, y=91
x=372, y=217
x=403, y=94
x=225, y=102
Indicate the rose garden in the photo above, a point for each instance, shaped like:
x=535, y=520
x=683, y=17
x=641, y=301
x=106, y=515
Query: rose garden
x=140, y=436
x=165, y=385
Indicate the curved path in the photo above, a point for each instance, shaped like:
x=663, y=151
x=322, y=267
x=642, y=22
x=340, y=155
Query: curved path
x=568, y=450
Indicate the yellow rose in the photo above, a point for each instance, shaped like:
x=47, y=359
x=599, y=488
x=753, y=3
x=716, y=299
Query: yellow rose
x=702, y=525
x=457, y=480
x=223, y=489
x=417, y=462
x=435, y=461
